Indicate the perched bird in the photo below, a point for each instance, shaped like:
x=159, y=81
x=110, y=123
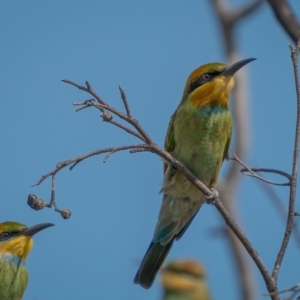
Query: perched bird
x=199, y=136
x=15, y=245
x=184, y=280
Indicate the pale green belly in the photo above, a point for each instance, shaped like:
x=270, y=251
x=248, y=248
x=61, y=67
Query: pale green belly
x=13, y=281
x=200, y=142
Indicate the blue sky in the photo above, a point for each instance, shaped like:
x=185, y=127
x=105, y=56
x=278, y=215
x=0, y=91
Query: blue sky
x=149, y=48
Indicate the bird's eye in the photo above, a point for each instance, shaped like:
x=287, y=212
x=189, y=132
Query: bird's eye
x=4, y=235
x=206, y=76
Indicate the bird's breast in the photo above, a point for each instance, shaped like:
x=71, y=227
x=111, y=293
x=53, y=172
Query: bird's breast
x=200, y=137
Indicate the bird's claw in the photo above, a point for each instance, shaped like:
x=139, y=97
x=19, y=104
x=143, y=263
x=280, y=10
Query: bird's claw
x=211, y=199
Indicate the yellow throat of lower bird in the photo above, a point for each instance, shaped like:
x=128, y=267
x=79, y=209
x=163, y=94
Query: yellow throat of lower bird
x=19, y=246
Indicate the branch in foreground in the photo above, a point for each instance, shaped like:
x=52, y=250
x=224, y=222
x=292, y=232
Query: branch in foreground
x=293, y=180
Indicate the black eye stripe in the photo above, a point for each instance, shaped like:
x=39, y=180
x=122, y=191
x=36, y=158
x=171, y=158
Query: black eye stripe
x=5, y=235
x=206, y=77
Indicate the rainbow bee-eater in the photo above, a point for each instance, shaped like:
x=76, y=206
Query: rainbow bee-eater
x=199, y=136
x=15, y=245
x=184, y=280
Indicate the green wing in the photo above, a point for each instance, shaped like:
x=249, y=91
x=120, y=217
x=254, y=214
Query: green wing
x=226, y=149
x=170, y=141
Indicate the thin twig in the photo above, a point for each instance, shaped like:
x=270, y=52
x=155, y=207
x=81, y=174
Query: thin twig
x=293, y=180
x=137, y=150
x=123, y=96
x=83, y=107
x=81, y=87
x=104, y=105
x=253, y=170
x=52, y=198
x=129, y=130
x=265, y=180
x=267, y=170
x=86, y=102
x=80, y=158
x=37, y=203
x=108, y=156
x=294, y=288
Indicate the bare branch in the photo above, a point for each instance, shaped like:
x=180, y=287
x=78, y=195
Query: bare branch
x=85, y=104
x=293, y=181
x=285, y=16
x=80, y=158
x=125, y=128
x=103, y=105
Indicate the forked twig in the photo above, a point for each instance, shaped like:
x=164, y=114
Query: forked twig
x=76, y=160
x=253, y=170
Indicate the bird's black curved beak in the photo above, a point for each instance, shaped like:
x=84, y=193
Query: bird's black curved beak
x=230, y=70
x=30, y=231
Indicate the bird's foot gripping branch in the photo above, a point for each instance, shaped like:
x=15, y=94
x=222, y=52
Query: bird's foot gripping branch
x=211, y=199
